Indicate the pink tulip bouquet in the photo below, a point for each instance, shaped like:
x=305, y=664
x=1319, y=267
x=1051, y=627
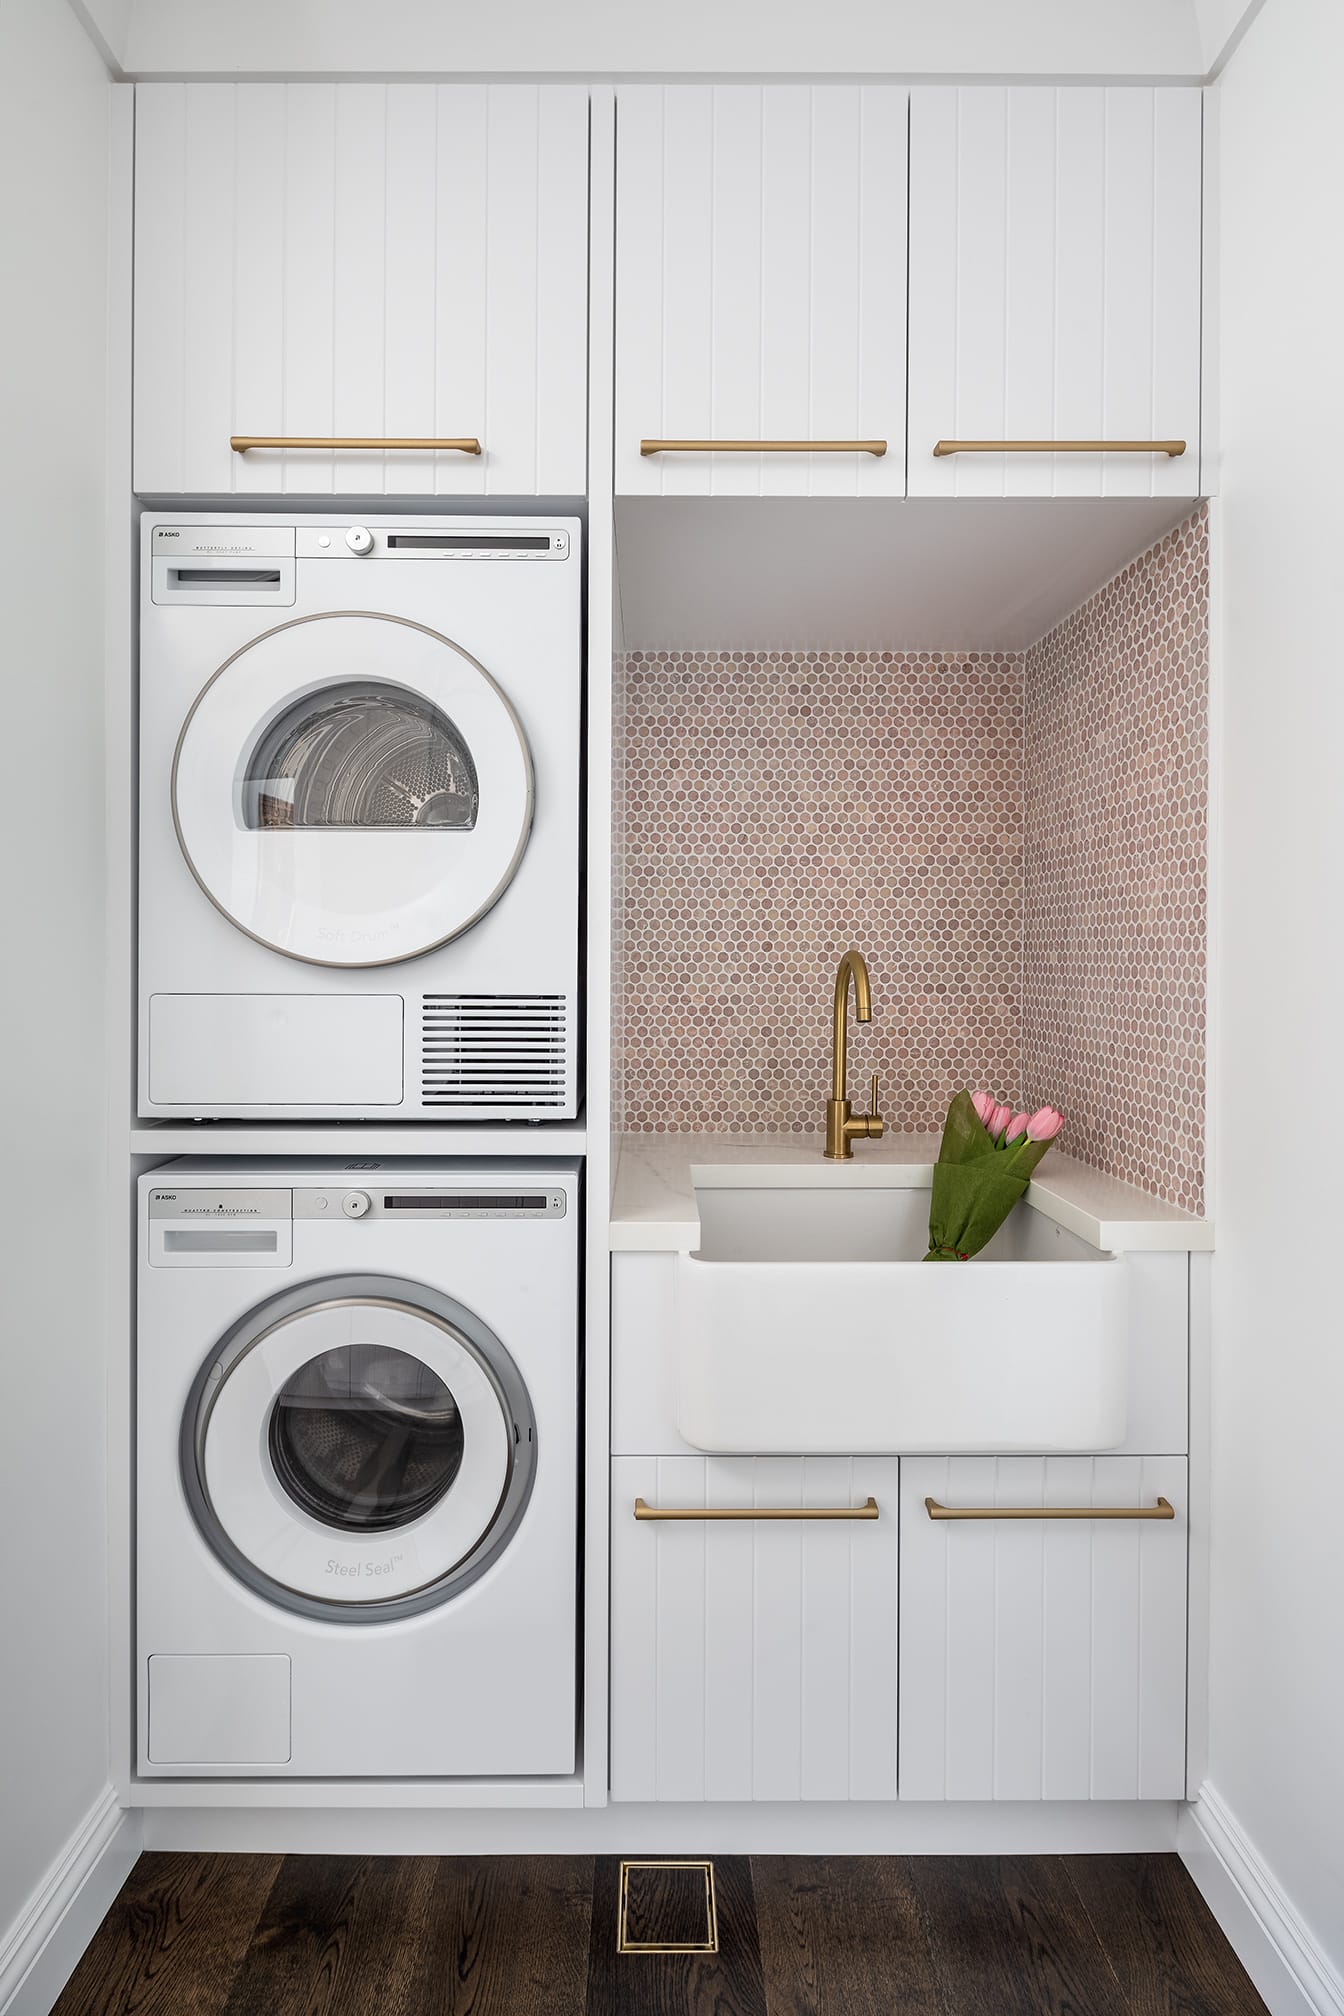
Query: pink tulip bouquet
x=984, y=1165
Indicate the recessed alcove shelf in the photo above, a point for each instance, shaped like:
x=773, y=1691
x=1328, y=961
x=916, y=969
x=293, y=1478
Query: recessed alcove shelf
x=872, y=573
x=341, y=1138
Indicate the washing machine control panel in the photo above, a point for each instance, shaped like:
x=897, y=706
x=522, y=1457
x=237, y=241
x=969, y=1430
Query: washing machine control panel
x=437, y=1202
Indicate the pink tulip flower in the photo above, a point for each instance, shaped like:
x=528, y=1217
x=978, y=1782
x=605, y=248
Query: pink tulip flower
x=1017, y=1127
x=985, y=1105
x=1044, y=1124
x=1002, y=1115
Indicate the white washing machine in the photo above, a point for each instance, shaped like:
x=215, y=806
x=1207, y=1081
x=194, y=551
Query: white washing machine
x=357, y=1469
x=359, y=817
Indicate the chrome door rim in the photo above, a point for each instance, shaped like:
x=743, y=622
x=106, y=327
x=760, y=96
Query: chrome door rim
x=373, y=1290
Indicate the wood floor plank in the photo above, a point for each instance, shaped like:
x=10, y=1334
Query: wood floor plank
x=337, y=1937
x=1164, y=1943
x=726, y=1983
x=842, y=1936
x=242, y=1935
x=1009, y=1938
x=508, y=1935
x=174, y=1938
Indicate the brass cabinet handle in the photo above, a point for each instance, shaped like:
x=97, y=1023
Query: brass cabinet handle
x=868, y=1510
x=762, y=447
x=1162, y=1510
x=240, y=443
x=1172, y=448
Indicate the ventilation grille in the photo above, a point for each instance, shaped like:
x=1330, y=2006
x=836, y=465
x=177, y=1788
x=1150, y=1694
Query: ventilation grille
x=506, y=1051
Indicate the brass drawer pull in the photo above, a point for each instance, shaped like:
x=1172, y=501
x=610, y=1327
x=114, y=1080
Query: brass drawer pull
x=868, y=1510
x=1172, y=448
x=240, y=443
x=762, y=447
x=1162, y=1510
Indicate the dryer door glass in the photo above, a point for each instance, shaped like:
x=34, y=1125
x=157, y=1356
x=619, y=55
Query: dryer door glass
x=365, y=1438
x=353, y=789
x=361, y=754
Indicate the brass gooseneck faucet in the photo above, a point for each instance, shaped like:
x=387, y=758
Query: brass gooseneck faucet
x=842, y=1127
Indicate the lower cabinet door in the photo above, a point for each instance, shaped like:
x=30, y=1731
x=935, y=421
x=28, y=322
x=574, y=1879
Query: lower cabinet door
x=1043, y=1658
x=753, y=1658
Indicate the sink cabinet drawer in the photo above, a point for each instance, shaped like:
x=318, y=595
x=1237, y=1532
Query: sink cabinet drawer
x=753, y=1659
x=1043, y=1658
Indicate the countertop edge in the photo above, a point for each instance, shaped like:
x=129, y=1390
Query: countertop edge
x=667, y=1220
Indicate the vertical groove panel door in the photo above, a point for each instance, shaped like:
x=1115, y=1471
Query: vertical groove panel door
x=1043, y=1658
x=389, y=260
x=753, y=1659
x=760, y=286
x=1055, y=287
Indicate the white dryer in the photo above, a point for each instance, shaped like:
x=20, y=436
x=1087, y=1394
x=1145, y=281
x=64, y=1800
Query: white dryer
x=357, y=1465
x=359, y=817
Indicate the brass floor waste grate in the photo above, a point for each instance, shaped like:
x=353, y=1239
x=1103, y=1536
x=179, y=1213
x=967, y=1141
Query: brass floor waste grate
x=664, y=1904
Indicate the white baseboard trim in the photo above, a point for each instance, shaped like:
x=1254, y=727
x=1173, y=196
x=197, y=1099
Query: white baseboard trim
x=39, y=1953
x=788, y=1827
x=1274, y=1946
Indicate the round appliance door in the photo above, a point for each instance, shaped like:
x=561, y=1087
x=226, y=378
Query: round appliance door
x=358, y=1448
x=352, y=789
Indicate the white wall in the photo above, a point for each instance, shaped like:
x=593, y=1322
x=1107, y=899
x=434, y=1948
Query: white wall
x=985, y=38
x=1276, y=1755
x=54, y=110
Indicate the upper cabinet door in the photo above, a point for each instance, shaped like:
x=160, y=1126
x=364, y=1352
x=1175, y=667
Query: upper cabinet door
x=1054, y=288
x=366, y=260
x=760, y=288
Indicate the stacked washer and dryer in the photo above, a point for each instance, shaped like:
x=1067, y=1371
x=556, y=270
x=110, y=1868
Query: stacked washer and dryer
x=357, y=1379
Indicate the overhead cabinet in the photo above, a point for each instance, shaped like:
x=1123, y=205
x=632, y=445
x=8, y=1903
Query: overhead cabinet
x=760, y=290
x=1055, y=292
x=368, y=263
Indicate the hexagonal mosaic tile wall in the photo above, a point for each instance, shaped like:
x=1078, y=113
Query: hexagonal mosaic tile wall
x=781, y=807
x=1116, y=824
x=1014, y=841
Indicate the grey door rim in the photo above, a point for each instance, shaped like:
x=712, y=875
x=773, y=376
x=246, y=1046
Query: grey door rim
x=459, y=930
x=371, y=1290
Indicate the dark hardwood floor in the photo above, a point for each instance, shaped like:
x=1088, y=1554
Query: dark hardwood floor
x=316, y=1935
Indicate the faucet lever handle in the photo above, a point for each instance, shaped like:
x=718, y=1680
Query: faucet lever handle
x=872, y=1099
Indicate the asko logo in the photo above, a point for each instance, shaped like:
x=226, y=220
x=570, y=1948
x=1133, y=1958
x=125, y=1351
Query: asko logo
x=164, y=534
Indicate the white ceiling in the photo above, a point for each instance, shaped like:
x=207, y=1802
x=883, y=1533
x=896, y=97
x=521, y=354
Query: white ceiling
x=1148, y=40
x=886, y=574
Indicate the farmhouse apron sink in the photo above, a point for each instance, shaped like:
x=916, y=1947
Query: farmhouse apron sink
x=807, y=1323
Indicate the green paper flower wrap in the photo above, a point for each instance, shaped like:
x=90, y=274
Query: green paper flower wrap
x=980, y=1175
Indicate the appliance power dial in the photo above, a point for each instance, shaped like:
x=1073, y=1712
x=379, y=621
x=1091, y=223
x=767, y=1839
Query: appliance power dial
x=355, y=1204
x=359, y=539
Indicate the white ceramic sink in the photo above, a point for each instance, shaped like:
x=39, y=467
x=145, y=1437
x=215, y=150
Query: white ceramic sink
x=807, y=1323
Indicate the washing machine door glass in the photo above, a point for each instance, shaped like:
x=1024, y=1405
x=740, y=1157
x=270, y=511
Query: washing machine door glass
x=365, y=1439
x=352, y=789
x=358, y=1447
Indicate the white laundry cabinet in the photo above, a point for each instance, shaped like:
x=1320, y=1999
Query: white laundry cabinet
x=1043, y=1657
x=1055, y=288
x=760, y=288
x=857, y=1658
x=367, y=261
x=754, y=1658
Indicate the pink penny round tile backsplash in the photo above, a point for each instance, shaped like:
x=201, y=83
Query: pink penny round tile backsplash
x=1016, y=842
x=1116, y=821
x=779, y=807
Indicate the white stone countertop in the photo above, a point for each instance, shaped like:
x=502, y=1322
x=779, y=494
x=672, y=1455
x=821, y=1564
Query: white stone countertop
x=654, y=1210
